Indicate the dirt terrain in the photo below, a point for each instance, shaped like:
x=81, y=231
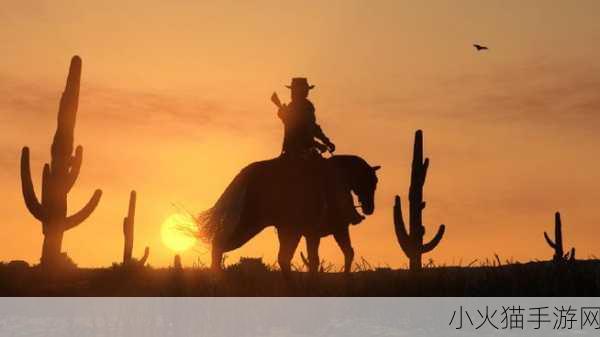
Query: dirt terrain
x=580, y=278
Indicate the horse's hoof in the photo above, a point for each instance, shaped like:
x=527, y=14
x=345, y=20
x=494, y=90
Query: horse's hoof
x=286, y=275
x=216, y=273
x=313, y=276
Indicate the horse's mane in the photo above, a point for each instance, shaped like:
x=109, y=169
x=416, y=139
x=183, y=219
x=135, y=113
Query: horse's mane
x=347, y=160
x=345, y=163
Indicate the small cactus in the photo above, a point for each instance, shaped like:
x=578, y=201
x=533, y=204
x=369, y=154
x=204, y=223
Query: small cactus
x=411, y=241
x=557, y=244
x=177, y=262
x=59, y=176
x=128, y=223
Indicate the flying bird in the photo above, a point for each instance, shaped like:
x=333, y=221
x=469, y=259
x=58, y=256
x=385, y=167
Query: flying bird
x=480, y=47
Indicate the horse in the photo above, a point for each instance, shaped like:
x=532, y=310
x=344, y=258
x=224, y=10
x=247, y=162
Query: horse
x=289, y=195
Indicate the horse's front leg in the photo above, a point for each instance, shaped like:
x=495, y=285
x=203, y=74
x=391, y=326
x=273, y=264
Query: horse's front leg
x=288, y=242
x=342, y=238
x=312, y=247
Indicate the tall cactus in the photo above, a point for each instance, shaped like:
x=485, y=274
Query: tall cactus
x=128, y=222
x=557, y=245
x=412, y=241
x=59, y=176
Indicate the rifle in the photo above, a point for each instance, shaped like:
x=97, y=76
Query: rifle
x=276, y=101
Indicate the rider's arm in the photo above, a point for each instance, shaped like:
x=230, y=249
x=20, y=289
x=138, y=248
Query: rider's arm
x=282, y=112
x=320, y=135
x=317, y=131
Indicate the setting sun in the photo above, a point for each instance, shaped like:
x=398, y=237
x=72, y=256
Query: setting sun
x=177, y=232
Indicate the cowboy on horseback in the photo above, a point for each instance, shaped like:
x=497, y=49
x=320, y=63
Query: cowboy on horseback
x=304, y=138
x=300, y=193
x=299, y=122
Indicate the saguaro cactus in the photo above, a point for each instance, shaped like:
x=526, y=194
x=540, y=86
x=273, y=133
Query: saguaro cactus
x=59, y=176
x=412, y=241
x=128, y=222
x=557, y=244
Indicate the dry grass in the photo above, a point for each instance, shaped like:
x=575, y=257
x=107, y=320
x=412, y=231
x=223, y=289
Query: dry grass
x=487, y=277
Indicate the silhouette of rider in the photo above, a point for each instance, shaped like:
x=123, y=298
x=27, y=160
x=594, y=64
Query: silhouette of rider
x=304, y=138
x=300, y=123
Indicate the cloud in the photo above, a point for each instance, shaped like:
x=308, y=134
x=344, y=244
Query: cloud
x=109, y=115
x=540, y=93
x=149, y=109
x=28, y=104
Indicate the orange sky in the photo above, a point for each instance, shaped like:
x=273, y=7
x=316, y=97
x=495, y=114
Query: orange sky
x=175, y=100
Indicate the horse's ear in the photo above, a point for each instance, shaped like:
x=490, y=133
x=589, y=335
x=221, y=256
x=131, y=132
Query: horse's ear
x=377, y=167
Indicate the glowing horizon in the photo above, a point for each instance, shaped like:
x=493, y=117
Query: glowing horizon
x=175, y=101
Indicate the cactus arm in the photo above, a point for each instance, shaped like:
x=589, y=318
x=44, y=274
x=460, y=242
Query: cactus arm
x=142, y=261
x=400, y=227
x=436, y=239
x=552, y=244
x=31, y=200
x=75, y=167
x=84, y=213
x=572, y=256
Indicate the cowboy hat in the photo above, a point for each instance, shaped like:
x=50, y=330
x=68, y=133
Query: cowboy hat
x=300, y=82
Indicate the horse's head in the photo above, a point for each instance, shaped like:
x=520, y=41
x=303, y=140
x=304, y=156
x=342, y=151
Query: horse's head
x=364, y=187
x=362, y=179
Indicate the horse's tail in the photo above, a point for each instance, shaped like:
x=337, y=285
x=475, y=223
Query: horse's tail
x=225, y=215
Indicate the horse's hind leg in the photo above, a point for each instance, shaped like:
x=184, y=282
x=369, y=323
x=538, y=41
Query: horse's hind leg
x=221, y=244
x=288, y=241
x=342, y=238
x=217, y=256
x=218, y=249
x=312, y=247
